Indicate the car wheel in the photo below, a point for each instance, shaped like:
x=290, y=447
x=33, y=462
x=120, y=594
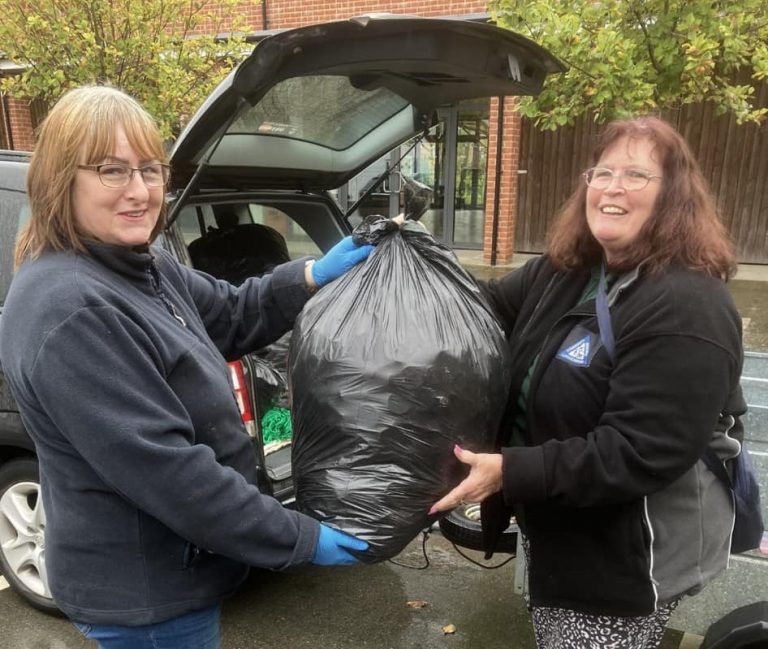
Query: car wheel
x=462, y=527
x=22, y=533
x=743, y=628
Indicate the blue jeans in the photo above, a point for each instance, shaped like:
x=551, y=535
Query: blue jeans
x=196, y=630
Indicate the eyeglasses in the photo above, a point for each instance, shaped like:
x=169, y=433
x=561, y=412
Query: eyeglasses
x=117, y=175
x=630, y=179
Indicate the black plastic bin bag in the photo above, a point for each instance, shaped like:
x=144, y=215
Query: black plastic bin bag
x=390, y=367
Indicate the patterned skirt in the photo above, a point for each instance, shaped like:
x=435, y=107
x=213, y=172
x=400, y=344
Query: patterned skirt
x=562, y=628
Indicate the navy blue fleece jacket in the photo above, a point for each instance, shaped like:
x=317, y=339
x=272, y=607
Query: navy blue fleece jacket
x=116, y=359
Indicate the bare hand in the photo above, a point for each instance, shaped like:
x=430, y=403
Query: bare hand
x=484, y=479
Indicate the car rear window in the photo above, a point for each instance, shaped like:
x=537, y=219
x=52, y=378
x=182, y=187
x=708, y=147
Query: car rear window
x=207, y=221
x=324, y=110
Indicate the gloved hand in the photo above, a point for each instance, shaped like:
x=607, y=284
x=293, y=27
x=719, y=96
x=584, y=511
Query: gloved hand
x=338, y=260
x=332, y=546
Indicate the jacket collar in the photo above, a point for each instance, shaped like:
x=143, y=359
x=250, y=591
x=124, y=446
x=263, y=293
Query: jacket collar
x=623, y=281
x=133, y=262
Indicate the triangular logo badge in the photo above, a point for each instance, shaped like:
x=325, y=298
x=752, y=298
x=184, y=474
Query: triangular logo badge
x=578, y=353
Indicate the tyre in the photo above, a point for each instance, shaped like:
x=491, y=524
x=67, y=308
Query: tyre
x=22, y=533
x=462, y=527
x=743, y=628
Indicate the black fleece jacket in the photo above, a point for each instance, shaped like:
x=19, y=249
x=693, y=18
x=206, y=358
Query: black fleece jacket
x=117, y=361
x=603, y=438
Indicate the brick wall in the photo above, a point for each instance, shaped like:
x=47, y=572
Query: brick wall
x=294, y=13
x=249, y=12
x=510, y=163
x=20, y=117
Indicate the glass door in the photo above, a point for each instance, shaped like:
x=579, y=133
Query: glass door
x=451, y=160
x=426, y=164
x=470, y=176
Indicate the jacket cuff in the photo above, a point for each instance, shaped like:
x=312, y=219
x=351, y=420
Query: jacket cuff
x=309, y=533
x=523, y=477
x=288, y=282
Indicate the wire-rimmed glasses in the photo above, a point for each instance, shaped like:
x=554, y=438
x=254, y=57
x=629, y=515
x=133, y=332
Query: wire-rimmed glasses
x=119, y=175
x=630, y=179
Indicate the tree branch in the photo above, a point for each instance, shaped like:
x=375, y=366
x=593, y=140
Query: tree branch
x=648, y=46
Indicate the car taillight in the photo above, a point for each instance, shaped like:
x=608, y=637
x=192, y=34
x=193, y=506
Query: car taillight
x=241, y=394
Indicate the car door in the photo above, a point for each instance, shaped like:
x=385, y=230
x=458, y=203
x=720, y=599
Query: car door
x=13, y=213
x=311, y=107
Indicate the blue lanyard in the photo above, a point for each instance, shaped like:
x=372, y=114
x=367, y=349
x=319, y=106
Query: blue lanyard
x=604, y=317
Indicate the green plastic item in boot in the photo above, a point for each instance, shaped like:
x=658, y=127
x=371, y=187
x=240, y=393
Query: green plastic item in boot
x=276, y=425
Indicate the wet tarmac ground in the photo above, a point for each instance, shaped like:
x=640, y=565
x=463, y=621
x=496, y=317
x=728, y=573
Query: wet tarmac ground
x=452, y=603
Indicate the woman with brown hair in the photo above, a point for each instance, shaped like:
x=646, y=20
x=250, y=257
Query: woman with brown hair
x=627, y=355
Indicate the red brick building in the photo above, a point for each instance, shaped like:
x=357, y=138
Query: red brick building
x=460, y=164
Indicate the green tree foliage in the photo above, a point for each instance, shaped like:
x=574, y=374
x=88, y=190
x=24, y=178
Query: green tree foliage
x=166, y=53
x=627, y=57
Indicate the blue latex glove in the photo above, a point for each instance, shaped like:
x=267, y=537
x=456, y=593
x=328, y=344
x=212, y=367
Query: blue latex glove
x=338, y=260
x=332, y=546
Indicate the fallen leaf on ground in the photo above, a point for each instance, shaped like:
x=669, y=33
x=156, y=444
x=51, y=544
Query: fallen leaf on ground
x=416, y=603
x=449, y=629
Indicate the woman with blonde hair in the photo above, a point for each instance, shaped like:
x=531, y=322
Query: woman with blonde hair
x=115, y=354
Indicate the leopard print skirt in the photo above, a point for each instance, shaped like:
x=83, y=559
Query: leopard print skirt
x=559, y=628
x=562, y=628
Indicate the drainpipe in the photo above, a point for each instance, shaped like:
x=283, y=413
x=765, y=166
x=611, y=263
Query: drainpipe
x=264, y=21
x=497, y=185
x=7, y=120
